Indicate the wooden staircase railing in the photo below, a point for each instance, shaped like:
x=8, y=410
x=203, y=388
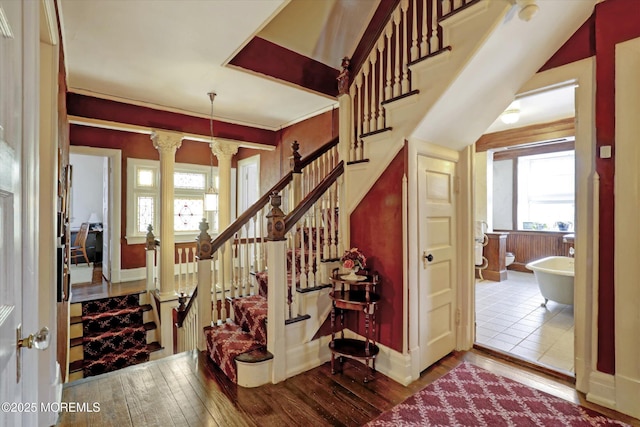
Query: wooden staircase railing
x=413, y=33
x=238, y=251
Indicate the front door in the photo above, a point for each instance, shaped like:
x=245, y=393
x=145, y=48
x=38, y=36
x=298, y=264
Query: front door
x=437, y=271
x=13, y=390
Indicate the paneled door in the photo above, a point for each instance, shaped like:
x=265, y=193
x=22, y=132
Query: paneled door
x=437, y=245
x=17, y=386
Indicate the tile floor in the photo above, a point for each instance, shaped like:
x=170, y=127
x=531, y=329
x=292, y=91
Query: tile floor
x=509, y=317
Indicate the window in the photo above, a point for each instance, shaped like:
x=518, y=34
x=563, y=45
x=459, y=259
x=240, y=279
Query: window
x=546, y=191
x=143, y=200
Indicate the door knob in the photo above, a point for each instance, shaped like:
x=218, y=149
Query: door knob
x=39, y=340
x=426, y=258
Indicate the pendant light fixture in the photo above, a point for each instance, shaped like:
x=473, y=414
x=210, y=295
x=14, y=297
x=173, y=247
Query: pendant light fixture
x=211, y=196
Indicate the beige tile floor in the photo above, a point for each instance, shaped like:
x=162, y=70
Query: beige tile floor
x=509, y=317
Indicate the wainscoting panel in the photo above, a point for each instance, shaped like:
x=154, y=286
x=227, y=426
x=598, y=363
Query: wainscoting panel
x=528, y=246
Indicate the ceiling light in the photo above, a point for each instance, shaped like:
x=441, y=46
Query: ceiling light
x=510, y=116
x=211, y=196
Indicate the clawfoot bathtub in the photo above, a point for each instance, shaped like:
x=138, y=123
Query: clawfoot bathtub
x=554, y=275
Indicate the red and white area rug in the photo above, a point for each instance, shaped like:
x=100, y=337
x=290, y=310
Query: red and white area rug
x=471, y=396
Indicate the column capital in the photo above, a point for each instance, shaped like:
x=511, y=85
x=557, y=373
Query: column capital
x=166, y=142
x=224, y=149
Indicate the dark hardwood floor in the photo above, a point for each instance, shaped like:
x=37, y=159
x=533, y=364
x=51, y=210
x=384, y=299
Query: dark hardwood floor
x=187, y=390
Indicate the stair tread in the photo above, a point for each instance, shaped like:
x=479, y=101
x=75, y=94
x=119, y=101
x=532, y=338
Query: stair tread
x=154, y=346
x=255, y=356
x=150, y=326
x=74, y=342
x=75, y=320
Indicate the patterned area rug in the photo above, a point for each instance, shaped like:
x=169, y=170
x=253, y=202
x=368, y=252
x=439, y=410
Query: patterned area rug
x=471, y=396
x=114, y=336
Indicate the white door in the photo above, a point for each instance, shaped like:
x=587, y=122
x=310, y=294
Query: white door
x=15, y=17
x=437, y=272
x=106, y=222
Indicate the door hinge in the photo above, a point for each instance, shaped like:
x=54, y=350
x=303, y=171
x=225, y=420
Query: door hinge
x=458, y=316
x=456, y=184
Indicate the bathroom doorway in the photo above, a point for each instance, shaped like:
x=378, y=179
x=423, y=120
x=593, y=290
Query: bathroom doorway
x=525, y=211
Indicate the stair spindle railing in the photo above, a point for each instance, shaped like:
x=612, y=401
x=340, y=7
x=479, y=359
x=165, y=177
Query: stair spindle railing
x=242, y=243
x=412, y=33
x=313, y=236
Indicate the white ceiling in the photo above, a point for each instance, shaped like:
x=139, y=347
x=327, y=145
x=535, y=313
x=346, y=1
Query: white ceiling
x=540, y=107
x=169, y=54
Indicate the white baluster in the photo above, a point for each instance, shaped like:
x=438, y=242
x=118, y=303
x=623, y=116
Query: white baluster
x=194, y=279
x=388, y=89
x=360, y=116
x=354, y=113
x=340, y=224
x=246, y=278
x=396, y=84
x=303, y=262
x=404, y=5
x=374, y=104
x=424, y=45
x=222, y=284
x=366, y=116
x=179, y=270
x=311, y=277
x=317, y=207
x=381, y=85
x=434, y=43
x=327, y=225
x=332, y=213
x=215, y=277
x=414, y=32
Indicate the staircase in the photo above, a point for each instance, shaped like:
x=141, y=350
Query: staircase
x=439, y=74
x=109, y=334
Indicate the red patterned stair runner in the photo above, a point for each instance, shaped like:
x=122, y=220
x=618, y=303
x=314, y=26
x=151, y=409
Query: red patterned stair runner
x=247, y=333
x=114, y=336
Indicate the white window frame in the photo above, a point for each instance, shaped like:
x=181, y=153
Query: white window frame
x=133, y=235
x=524, y=198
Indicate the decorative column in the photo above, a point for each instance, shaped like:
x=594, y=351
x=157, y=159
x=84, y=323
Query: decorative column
x=167, y=143
x=224, y=151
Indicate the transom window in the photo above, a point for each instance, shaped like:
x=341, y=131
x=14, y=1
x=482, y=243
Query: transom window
x=143, y=200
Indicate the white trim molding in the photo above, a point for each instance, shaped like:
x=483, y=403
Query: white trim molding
x=627, y=250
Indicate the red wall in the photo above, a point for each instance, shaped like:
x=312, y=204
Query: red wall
x=310, y=134
x=613, y=21
x=376, y=229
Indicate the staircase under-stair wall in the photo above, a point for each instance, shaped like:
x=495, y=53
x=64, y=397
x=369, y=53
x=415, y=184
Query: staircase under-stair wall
x=111, y=333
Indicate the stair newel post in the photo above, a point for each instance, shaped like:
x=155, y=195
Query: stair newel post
x=346, y=150
x=150, y=252
x=277, y=295
x=204, y=257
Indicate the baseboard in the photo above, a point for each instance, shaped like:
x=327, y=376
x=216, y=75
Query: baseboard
x=627, y=392
x=133, y=274
x=389, y=362
x=583, y=374
x=602, y=389
x=307, y=356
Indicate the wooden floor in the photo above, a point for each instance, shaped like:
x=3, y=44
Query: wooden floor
x=187, y=390
x=101, y=288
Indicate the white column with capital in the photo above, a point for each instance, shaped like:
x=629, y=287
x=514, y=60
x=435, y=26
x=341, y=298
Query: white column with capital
x=167, y=143
x=224, y=151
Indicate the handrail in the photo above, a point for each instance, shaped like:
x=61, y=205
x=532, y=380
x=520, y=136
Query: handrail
x=236, y=225
x=294, y=216
x=319, y=152
x=182, y=314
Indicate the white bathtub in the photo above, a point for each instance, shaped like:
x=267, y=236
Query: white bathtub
x=555, y=278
